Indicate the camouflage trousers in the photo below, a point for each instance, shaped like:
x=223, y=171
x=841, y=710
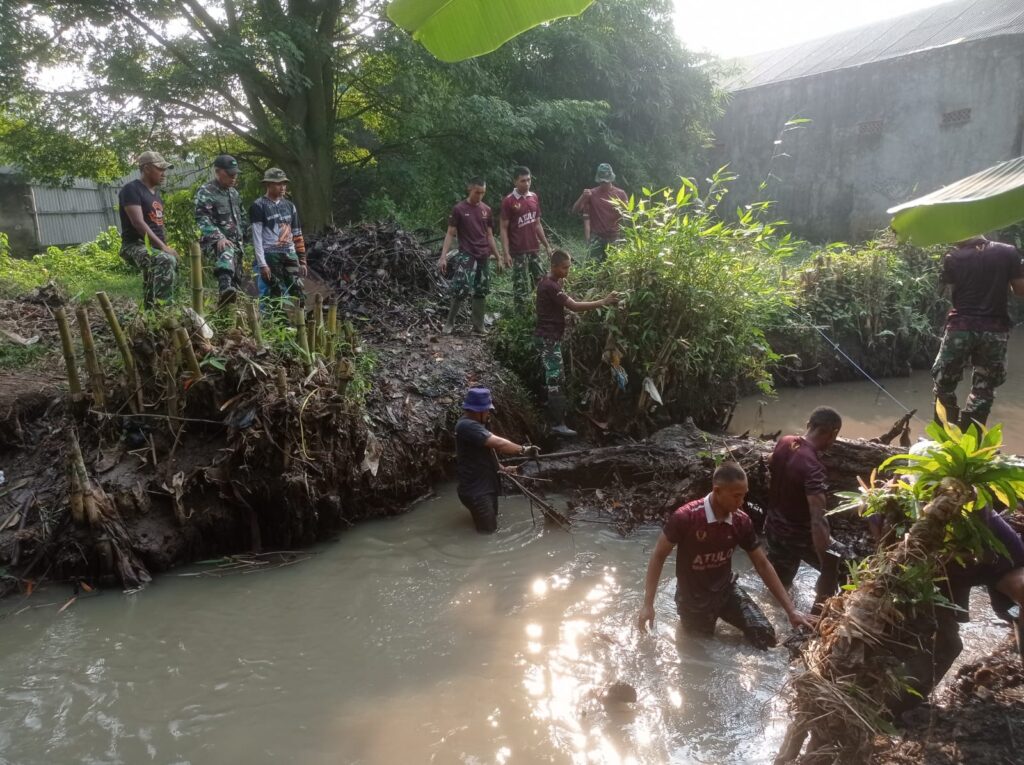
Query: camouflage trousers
x=159, y=272
x=285, y=281
x=597, y=250
x=228, y=261
x=526, y=272
x=986, y=352
x=468, y=276
x=551, y=359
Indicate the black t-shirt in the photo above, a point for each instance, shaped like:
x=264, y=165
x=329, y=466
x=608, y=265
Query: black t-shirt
x=980, y=274
x=136, y=193
x=475, y=465
x=551, y=300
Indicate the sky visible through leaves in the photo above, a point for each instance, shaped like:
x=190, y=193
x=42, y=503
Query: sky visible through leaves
x=740, y=27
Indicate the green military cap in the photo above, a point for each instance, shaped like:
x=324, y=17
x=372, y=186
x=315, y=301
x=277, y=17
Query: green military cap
x=275, y=175
x=152, y=158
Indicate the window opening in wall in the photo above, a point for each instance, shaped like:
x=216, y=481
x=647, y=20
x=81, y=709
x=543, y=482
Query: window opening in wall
x=956, y=117
x=872, y=127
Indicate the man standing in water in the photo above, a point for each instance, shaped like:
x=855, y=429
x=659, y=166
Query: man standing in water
x=551, y=304
x=143, y=241
x=476, y=466
x=221, y=224
x=707, y=531
x=601, y=212
x=796, y=528
x=521, y=236
x=980, y=274
x=470, y=222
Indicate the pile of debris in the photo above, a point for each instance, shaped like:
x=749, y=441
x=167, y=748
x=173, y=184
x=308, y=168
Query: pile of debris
x=371, y=268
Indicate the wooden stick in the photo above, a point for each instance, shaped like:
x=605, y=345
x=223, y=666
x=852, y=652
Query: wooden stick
x=196, y=258
x=92, y=363
x=332, y=328
x=135, y=397
x=69, y=353
x=253, y=316
x=549, y=512
x=188, y=352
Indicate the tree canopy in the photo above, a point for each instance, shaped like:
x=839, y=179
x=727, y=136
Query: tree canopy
x=362, y=119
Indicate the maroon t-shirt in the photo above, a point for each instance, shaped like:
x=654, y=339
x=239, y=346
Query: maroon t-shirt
x=796, y=472
x=980, y=273
x=522, y=214
x=704, y=557
x=605, y=214
x=472, y=224
x=551, y=300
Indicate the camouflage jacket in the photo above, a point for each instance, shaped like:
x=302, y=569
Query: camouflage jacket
x=219, y=214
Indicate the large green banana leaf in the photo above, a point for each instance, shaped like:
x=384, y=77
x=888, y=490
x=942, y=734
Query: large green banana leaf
x=454, y=30
x=983, y=202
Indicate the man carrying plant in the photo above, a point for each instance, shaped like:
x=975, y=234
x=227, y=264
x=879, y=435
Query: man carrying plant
x=980, y=275
x=601, y=212
x=476, y=466
x=143, y=244
x=521, y=236
x=796, y=528
x=551, y=304
x=221, y=222
x=470, y=223
x=707, y=532
x=277, y=239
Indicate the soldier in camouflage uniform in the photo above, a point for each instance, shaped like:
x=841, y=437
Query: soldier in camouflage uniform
x=980, y=273
x=551, y=304
x=143, y=238
x=222, y=226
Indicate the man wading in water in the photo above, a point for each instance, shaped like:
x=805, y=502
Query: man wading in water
x=551, y=304
x=707, y=531
x=980, y=273
x=797, y=529
x=476, y=467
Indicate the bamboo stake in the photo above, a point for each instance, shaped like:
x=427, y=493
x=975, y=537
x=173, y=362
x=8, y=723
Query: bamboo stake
x=196, y=259
x=318, y=323
x=75, y=499
x=345, y=371
x=92, y=363
x=332, y=320
x=172, y=384
x=302, y=338
x=254, y=323
x=135, y=397
x=69, y=353
x=282, y=382
x=188, y=352
x=90, y=511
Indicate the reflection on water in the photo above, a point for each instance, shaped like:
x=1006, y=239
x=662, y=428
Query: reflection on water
x=409, y=640
x=868, y=412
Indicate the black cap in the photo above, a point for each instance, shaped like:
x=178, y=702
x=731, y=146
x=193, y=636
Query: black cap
x=227, y=162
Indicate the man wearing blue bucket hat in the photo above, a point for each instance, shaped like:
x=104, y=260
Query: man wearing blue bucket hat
x=476, y=466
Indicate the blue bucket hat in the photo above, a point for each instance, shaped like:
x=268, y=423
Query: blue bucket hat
x=478, y=400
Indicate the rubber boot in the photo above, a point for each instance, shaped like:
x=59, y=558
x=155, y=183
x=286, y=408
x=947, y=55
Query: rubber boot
x=556, y=413
x=952, y=415
x=225, y=288
x=453, y=312
x=969, y=418
x=479, y=309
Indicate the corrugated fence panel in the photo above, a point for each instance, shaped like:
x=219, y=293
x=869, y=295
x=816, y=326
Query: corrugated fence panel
x=74, y=215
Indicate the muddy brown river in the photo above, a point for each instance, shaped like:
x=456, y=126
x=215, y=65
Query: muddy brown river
x=413, y=640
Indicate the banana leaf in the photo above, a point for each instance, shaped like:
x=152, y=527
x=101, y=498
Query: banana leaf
x=454, y=30
x=983, y=202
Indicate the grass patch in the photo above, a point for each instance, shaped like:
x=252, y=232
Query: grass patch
x=14, y=356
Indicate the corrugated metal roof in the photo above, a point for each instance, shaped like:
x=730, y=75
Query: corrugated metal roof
x=947, y=24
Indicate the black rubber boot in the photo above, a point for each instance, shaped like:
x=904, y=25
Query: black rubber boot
x=225, y=289
x=968, y=418
x=453, y=312
x=479, y=309
x=556, y=414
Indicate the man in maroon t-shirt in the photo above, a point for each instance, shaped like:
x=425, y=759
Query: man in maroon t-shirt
x=601, y=212
x=551, y=304
x=981, y=274
x=470, y=222
x=707, y=531
x=521, y=236
x=796, y=528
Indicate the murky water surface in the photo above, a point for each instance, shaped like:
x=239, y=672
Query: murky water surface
x=868, y=412
x=413, y=640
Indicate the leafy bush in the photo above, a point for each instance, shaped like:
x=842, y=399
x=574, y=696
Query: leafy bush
x=82, y=269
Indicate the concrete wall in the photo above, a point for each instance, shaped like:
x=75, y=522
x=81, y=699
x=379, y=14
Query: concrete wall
x=16, y=216
x=877, y=136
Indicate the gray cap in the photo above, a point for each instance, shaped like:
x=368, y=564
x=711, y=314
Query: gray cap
x=605, y=174
x=275, y=175
x=152, y=158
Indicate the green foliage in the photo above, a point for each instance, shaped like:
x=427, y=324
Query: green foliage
x=697, y=293
x=180, y=219
x=81, y=270
x=14, y=356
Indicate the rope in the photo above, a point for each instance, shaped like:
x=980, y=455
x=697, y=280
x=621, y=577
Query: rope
x=835, y=346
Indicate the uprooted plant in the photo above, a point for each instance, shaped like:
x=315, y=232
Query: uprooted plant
x=856, y=673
